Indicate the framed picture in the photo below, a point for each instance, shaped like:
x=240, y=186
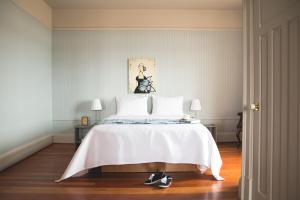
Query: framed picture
x=141, y=75
x=84, y=120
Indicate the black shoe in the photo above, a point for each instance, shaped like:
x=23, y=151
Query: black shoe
x=165, y=182
x=154, y=178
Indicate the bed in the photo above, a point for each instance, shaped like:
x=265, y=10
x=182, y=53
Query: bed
x=146, y=139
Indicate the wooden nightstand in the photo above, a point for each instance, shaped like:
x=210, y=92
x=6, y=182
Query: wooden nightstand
x=213, y=130
x=78, y=135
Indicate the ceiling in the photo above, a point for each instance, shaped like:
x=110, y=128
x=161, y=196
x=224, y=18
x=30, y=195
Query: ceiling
x=146, y=4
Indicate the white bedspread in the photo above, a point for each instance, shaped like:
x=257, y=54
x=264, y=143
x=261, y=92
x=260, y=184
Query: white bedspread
x=118, y=144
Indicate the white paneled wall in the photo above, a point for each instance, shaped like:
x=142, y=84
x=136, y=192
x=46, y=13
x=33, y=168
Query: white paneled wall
x=195, y=64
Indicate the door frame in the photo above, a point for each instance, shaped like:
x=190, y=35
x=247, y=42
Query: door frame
x=248, y=98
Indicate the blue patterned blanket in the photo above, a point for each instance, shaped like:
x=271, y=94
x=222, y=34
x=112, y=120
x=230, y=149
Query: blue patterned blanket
x=149, y=121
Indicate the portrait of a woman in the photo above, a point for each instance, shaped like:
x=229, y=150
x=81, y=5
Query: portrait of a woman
x=144, y=83
x=141, y=75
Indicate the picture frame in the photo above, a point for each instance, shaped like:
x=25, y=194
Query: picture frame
x=84, y=121
x=142, y=75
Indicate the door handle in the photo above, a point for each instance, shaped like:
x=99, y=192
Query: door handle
x=255, y=107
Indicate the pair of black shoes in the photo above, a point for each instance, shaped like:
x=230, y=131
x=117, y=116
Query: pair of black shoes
x=164, y=180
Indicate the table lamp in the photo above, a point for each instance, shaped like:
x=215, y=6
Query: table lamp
x=196, y=106
x=96, y=106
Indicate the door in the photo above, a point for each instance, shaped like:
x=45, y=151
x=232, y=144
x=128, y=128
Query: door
x=273, y=66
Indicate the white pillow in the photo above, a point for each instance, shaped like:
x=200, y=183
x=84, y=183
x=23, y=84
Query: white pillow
x=132, y=106
x=167, y=106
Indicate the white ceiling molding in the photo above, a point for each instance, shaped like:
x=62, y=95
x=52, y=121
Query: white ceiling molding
x=147, y=4
x=146, y=19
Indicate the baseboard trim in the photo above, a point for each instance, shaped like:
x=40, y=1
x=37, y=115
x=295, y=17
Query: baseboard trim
x=63, y=138
x=24, y=151
x=228, y=136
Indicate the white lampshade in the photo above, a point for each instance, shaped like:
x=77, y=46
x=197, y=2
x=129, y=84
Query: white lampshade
x=196, y=106
x=96, y=105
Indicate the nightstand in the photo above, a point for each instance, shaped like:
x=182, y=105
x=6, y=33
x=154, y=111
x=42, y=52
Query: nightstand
x=78, y=133
x=213, y=130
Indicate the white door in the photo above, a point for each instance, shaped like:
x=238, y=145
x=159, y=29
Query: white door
x=274, y=84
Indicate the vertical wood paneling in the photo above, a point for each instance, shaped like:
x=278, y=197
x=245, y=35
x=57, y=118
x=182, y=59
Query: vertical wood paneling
x=202, y=64
x=264, y=128
x=270, y=119
x=284, y=117
x=298, y=64
x=276, y=147
x=293, y=64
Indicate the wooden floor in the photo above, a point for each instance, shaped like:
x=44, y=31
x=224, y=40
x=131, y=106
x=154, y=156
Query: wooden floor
x=33, y=178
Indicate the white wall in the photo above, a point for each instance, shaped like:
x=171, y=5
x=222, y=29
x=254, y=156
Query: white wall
x=204, y=64
x=25, y=77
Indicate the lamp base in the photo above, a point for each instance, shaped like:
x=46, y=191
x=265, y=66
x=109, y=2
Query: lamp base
x=96, y=121
x=194, y=114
